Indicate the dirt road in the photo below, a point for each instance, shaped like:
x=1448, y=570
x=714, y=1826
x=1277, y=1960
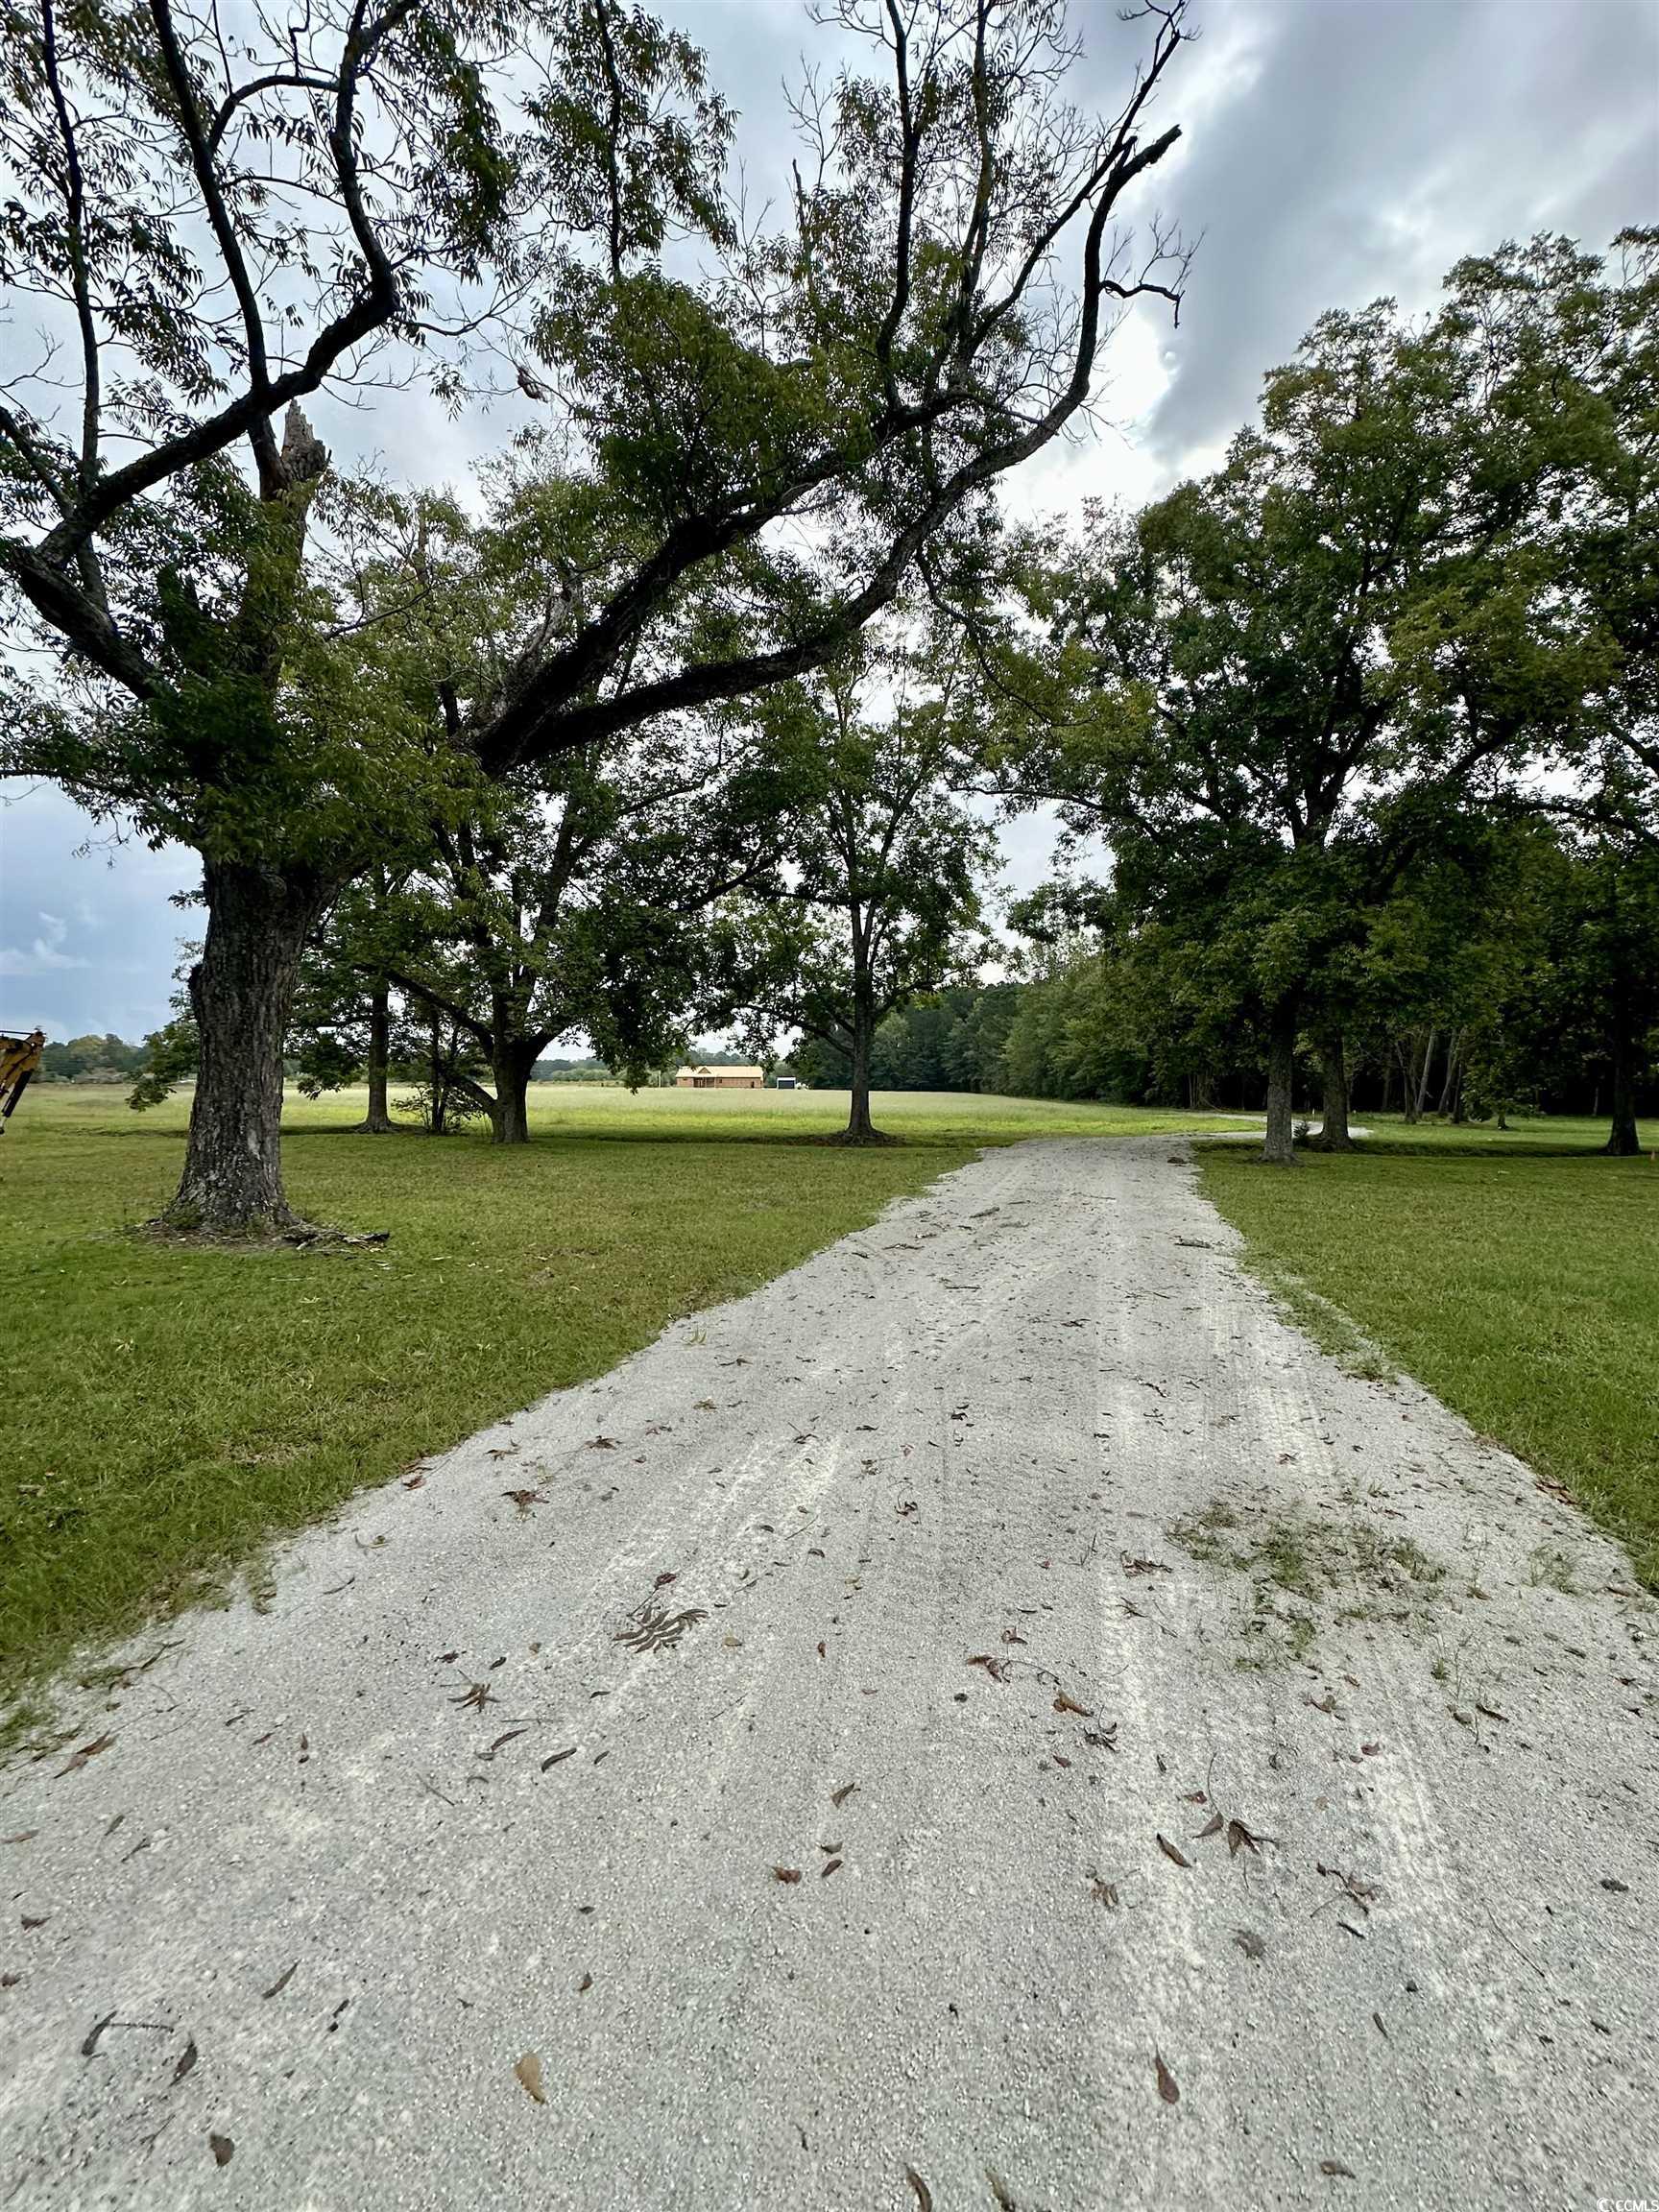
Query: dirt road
x=995, y=1718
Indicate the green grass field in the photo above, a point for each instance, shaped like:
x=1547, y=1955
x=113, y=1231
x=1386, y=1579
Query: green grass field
x=1516, y=1275
x=166, y=1410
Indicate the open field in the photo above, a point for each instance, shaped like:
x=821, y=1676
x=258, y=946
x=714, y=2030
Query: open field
x=169, y=1410
x=166, y=1410
x=1515, y=1275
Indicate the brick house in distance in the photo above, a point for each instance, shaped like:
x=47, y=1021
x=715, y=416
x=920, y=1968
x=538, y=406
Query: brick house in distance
x=703, y=1078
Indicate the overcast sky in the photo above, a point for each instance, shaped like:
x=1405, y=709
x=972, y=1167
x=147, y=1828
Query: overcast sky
x=1333, y=150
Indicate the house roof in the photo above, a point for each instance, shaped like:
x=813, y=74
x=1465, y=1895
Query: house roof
x=703, y=1068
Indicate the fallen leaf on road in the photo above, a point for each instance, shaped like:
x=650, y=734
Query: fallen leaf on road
x=1212, y=1828
x=827, y=1868
x=24, y=1834
x=222, y=2149
x=1169, y=1851
x=1065, y=1704
x=1249, y=1942
x=654, y=1630
x=524, y=1499
x=1012, y=1636
x=282, y=1981
x=186, y=2062
x=1167, y=2088
x=529, y=2073
x=78, y=1759
x=787, y=1873
x=1334, y=2167
x=1240, y=1838
x=997, y=1669
x=841, y=1796
x=1104, y=1894
x=601, y=1443
x=569, y=1752
x=476, y=1694
x=585, y=1984
x=924, y=2195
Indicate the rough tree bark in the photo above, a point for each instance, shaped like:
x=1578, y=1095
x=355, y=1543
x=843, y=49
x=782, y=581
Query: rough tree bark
x=241, y=994
x=1333, y=1133
x=379, y=1122
x=1279, y=1148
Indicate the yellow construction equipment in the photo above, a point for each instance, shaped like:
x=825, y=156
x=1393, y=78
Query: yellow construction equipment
x=19, y=1057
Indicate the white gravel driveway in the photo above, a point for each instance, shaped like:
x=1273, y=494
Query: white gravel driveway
x=995, y=1718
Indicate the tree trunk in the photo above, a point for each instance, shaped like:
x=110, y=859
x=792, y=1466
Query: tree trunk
x=1623, y=1141
x=1387, y=1083
x=439, y=1082
x=1278, y=1150
x=1407, y=1081
x=1454, y=1062
x=1428, y=1069
x=512, y=1062
x=1333, y=1134
x=379, y=1122
x=860, y=1129
x=241, y=993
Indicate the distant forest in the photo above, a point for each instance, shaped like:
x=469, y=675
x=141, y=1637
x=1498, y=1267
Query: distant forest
x=1094, y=1027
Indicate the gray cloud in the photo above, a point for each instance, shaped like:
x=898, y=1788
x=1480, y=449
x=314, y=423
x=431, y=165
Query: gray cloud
x=1367, y=146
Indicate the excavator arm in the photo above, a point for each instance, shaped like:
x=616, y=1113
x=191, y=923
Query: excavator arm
x=19, y=1057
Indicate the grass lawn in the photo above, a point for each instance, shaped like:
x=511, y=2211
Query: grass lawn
x=167, y=1410
x=1516, y=1275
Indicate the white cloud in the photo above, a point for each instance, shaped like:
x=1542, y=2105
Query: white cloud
x=45, y=955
